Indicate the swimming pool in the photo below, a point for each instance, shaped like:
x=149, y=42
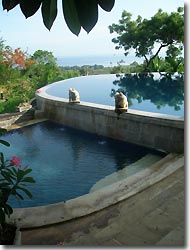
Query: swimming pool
x=67, y=162
x=145, y=92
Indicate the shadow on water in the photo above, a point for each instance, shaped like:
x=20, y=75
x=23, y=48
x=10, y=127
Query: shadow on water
x=159, y=89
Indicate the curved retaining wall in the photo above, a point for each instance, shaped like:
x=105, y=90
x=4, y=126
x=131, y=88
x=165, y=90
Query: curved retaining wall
x=158, y=131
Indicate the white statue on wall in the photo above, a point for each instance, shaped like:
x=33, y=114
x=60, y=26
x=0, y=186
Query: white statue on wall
x=74, y=95
x=121, y=101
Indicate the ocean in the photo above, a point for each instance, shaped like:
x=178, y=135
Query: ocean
x=105, y=60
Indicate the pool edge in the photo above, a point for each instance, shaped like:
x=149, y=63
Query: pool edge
x=84, y=205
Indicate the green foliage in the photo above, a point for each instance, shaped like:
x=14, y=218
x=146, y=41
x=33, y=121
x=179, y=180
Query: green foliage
x=156, y=64
x=69, y=9
x=49, y=12
x=43, y=74
x=87, y=12
x=29, y=9
x=2, y=131
x=3, y=73
x=77, y=14
x=44, y=57
x=162, y=31
x=9, y=106
x=20, y=84
x=13, y=179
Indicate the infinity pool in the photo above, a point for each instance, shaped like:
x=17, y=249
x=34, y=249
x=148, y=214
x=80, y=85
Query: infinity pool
x=67, y=162
x=145, y=92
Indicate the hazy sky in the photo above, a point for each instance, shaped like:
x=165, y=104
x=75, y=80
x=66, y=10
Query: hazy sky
x=30, y=34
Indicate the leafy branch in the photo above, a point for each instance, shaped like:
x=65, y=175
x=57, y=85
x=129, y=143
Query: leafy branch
x=13, y=179
x=77, y=14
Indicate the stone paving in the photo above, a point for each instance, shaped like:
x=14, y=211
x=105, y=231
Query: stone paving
x=153, y=217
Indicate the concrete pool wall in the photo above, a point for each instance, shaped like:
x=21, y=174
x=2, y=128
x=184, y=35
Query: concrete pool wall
x=153, y=130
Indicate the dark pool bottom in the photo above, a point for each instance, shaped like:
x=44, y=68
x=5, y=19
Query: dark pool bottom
x=66, y=162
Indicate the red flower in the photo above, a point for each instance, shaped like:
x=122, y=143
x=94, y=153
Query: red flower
x=15, y=161
x=60, y=244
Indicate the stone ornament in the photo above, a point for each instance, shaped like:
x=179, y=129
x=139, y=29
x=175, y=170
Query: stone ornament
x=74, y=96
x=121, y=101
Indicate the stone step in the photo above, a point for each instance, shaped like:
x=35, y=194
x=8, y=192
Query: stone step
x=176, y=238
x=129, y=170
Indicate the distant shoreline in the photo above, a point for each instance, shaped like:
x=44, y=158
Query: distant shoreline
x=105, y=60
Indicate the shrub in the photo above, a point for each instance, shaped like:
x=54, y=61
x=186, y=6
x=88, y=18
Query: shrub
x=13, y=179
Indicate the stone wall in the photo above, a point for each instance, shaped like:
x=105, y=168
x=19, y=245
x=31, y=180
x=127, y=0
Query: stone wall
x=8, y=119
x=158, y=131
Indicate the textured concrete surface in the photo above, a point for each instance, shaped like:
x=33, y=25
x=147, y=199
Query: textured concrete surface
x=153, y=217
x=158, y=131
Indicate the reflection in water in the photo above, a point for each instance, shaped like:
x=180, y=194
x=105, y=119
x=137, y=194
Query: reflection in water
x=161, y=90
x=21, y=136
x=146, y=92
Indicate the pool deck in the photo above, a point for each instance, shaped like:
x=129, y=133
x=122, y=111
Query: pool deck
x=26, y=123
x=153, y=217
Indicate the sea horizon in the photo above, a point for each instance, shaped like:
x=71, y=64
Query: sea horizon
x=105, y=60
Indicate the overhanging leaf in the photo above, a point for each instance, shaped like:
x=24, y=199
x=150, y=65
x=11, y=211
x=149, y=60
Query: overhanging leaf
x=27, y=171
x=49, y=12
x=26, y=191
x=106, y=5
x=29, y=8
x=4, y=143
x=28, y=179
x=71, y=16
x=2, y=159
x=9, y=4
x=2, y=131
x=87, y=13
x=8, y=210
x=19, y=195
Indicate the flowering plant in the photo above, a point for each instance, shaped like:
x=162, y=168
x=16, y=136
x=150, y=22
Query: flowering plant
x=13, y=179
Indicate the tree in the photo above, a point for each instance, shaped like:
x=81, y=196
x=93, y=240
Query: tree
x=15, y=58
x=1, y=48
x=46, y=69
x=12, y=64
x=149, y=37
x=43, y=57
x=77, y=13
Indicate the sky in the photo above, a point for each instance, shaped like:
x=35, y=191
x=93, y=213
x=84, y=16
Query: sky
x=31, y=34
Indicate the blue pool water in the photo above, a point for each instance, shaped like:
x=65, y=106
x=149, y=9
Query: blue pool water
x=146, y=92
x=66, y=162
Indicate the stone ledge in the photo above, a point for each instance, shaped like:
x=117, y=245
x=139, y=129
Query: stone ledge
x=46, y=215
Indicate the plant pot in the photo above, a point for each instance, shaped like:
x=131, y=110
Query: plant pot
x=7, y=234
x=11, y=235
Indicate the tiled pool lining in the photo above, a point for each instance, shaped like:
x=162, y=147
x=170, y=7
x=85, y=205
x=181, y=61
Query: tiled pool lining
x=46, y=215
x=153, y=130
